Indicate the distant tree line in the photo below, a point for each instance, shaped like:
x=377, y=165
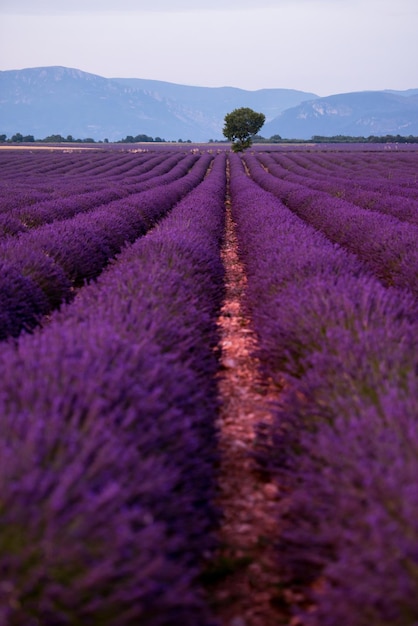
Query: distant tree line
x=19, y=138
x=146, y=138
x=140, y=139
x=340, y=139
x=370, y=139
x=331, y=139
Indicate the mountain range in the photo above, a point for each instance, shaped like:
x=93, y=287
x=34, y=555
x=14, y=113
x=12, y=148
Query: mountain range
x=58, y=100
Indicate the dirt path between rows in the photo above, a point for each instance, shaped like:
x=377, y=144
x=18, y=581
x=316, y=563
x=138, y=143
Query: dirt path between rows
x=245, y=589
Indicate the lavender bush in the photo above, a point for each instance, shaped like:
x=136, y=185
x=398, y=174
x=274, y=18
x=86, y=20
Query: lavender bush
x=71, y=202
x=79, y=248
x=359, y=189
x=108, y=436
x=387, y=245
x=343, y=444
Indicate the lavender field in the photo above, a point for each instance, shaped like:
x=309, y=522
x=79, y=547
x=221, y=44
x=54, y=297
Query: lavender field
x=111, y=286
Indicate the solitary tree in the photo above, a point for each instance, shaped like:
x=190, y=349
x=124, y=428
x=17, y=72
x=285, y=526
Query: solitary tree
x=240, y=127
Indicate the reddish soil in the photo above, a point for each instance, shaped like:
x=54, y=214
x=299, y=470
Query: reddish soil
x=246, y=588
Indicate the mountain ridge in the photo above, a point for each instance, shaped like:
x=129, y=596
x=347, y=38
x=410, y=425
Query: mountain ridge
x=362, y=113
x=49, y=100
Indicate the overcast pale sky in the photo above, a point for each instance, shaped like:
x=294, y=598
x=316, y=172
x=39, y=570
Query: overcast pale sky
x=323, y=46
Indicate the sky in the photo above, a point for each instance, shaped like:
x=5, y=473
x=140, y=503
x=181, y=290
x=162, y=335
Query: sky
x=320, y=46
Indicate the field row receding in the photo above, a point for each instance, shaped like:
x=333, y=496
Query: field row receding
x=111, y=285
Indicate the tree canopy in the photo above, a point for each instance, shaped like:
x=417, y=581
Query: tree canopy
x=240, y=127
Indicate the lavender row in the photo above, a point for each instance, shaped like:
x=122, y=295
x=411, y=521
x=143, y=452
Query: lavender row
x=19, y=188
x=344, y=440
x=379, y=170
x=39, y=269
x=272, y=231
x=108, y=438
x=344, y=181
x=397, y=183
x=382, y=194
x=387, y=245
x=136, y=169
x=23, y=219
x=80, y=190
x=383, y=169
x=351, y=189
x=17, y=163
x=19, y=191
x=27, y=218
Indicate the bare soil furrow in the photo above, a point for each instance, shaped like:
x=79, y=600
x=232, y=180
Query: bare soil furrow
x=244, y=585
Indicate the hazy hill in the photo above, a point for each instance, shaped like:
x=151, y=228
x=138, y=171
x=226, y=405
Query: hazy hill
x=209, y=105
x=57, y=100
x=355, y=114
